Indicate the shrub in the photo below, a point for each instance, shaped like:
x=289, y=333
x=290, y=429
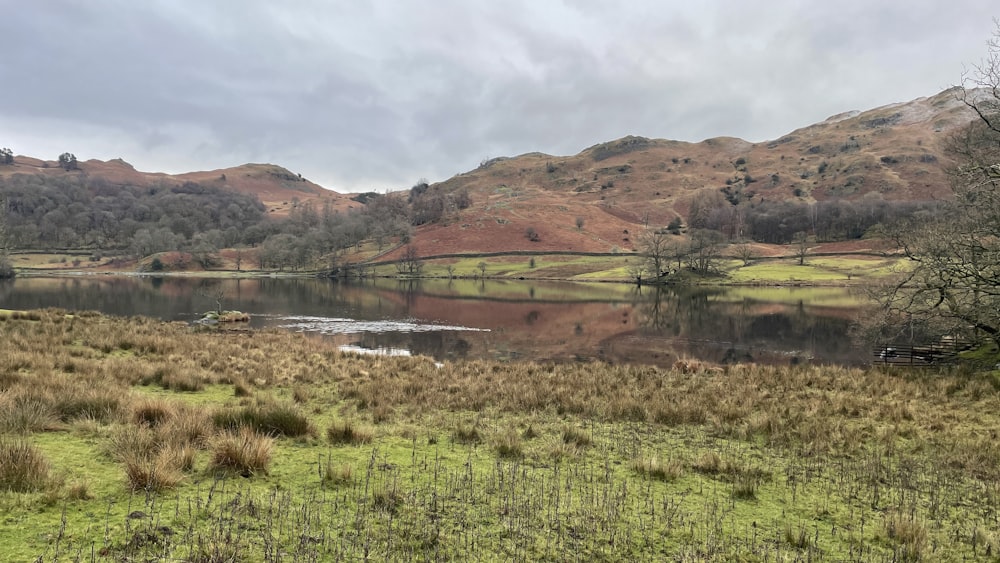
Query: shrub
x=244, y=451
x=22, y=467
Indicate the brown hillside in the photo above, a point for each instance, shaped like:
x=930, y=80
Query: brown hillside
x=276, y=187
x=895, y=153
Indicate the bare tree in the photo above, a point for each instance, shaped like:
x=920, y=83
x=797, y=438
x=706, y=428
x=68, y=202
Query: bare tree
x=6, y=268
x=410, y=264
x=745, y=252
x=657, y=251
x=801, y=242
x=953, y=284
x=704, y=255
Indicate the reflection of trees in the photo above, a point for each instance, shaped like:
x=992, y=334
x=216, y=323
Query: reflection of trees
x=722, y=330
x=672, y=307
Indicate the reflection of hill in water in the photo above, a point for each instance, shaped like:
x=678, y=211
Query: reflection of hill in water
x=655, y=327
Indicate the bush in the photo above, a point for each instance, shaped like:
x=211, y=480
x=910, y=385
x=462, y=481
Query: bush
x=244, y=451
x=22, y=467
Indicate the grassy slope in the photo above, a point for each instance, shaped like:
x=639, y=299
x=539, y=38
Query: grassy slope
x=507, y=461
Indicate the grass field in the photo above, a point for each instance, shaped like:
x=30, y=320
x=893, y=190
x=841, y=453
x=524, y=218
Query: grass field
x=135, y=440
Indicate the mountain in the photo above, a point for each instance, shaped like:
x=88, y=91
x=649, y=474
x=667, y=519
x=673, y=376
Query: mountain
x=276, y=187
x=893, y=153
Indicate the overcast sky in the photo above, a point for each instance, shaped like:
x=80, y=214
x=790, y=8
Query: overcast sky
x=373, y=95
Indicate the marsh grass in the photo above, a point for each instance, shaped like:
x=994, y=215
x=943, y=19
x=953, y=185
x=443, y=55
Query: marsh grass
x=909, y=533
x=706, y=463
x=276, y=418
x=508, y=444
x=349, y=432
x=22, y=467
x=654, y=468
x=152, y=472
x=21, y=414
x=244, y=451
x=464, y=433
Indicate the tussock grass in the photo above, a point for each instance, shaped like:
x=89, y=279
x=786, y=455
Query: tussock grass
x=275, y=418
x=24, y=414
x=576, y=437
x=152, y=472
x=654, y=468
x=22, y=467
x=152, y=412
x=909, y=534
x=244, y=451
x=337, y=474
x=349, y=432
x=508, y=444
x=466, y=434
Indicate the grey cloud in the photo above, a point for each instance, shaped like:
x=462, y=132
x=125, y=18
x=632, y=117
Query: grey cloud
x=372, y=95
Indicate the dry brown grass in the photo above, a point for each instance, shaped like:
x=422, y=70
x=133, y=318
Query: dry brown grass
x=244, y=451
x=654, y=468
x=22, y=467
x=349, y=432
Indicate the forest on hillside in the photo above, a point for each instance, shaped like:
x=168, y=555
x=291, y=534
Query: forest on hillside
x=76, y=212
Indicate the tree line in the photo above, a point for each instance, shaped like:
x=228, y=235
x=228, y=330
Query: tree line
x=778, y=222
x=89, y=213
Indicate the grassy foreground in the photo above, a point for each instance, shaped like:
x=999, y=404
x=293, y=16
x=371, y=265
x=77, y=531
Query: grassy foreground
x=134, y=440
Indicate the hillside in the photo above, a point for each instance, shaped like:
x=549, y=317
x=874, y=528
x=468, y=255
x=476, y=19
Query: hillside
x=894, y=153
x=276, y=187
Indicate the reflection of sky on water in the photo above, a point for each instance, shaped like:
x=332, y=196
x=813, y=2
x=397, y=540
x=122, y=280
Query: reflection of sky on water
x=374, y=351
x=333, y=325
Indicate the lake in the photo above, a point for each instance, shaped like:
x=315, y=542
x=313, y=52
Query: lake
x=518, y=320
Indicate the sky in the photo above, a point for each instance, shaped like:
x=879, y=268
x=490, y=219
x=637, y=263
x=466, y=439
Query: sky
x=372, y=95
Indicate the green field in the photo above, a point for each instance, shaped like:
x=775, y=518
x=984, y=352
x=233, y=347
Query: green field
x=135, y=440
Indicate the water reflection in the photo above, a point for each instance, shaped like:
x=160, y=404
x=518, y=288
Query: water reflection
x=452, y=319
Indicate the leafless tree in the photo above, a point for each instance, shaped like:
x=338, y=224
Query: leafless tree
x=952, y=286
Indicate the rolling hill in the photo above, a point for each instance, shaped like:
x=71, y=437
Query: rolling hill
x=276, y=187
x=891, y=153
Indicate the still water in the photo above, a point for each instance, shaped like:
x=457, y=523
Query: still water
x=525, y=320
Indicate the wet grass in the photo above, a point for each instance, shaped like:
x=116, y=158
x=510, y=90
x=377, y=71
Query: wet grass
x=327, y=456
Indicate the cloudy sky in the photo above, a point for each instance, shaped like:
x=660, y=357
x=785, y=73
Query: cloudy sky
x=372, y=95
